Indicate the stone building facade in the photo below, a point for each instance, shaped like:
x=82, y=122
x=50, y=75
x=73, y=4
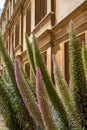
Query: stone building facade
x=49, y=20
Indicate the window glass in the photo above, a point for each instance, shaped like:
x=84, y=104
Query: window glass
x=40, y=10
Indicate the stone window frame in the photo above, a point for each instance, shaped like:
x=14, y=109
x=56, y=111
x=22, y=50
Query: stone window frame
x=40, y=10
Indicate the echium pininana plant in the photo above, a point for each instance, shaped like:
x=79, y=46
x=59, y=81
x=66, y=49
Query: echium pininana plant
x=27, y=95
x=32, y=64
x=7, y=109
x=65, y=95
x=14, y=95
x=54, y=98
x=84, y=57
x=77, y=76
x=43, y=103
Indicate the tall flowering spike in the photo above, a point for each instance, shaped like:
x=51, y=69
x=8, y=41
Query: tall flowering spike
x=27, y=95
x=43, y=103
x=8, y=61
x=7, y=109
x=55, y=100
x=30, y=54
x=21, y=114
x=78, y=79
x=84, y=57
x=32, y=64
x=62, y=89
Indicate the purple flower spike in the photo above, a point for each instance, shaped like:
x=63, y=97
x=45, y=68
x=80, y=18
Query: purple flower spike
x=27, y=95
x=43, y=103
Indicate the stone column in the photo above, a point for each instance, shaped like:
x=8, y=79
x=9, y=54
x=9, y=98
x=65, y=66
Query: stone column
x=10, y=43
x=14, y=36
x=9, y=10
x=48, y=6
x=20, y=29
x=24, y=31
x=86, y=37
x=12, y=7
x=32, y=15
x=60, y=57
x=49, y=60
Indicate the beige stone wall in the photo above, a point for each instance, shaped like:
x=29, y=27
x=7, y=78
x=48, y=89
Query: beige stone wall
x=65, y=7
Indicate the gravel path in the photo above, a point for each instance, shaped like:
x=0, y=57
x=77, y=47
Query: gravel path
x=2, y=124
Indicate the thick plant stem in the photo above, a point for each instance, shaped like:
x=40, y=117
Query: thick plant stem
x=65, y=95
x=43, y=102
x=55, y=100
